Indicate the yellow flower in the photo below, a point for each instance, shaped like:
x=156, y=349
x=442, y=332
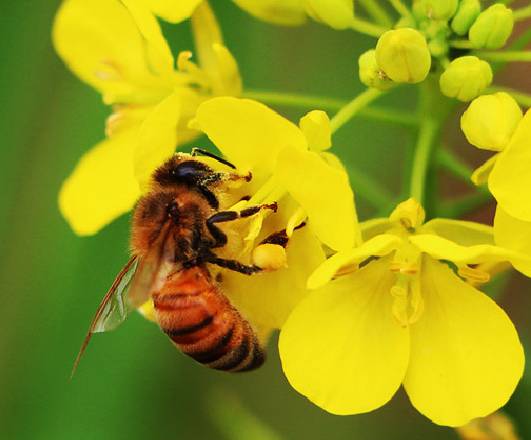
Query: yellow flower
x=288, y=166
x=401, y=315
x=495, y=122
x=338, y=14
x=118, y=48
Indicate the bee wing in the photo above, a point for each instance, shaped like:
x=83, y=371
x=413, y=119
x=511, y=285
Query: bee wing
x=131, y=288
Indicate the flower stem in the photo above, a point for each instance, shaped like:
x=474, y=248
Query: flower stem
x=449, y=161
x=522, y=98
x=510, y=56
x=322, y=102
x=401, y=8
x=377, y=12
x=460, y=44
x=429, y=127
x=367, y=28
x=347, y=112
x=522, y=13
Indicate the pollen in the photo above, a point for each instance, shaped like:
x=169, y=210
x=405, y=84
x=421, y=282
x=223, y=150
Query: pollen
x=270, y=257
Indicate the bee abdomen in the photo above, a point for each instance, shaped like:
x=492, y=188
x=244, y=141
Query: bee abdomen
x=206, y=327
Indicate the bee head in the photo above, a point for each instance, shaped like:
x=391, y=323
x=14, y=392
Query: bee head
x=181, y=169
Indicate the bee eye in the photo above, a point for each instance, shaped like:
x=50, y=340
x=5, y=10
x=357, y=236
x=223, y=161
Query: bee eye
x=188, y=170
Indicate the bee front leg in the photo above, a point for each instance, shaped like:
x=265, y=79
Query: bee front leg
x=234, y=265
x=227, y=216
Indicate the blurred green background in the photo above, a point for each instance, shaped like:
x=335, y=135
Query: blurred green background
x=132, y=383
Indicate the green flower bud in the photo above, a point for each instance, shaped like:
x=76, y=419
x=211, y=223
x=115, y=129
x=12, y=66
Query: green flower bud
x=403, y=55
x=434, y=9
x=465, y=78
x=492, y=28
x=370, y=74
x=438, y=47
x=465, y=16
x=490, y=121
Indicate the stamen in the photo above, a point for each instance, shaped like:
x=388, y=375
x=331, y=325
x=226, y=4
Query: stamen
x=473, y=275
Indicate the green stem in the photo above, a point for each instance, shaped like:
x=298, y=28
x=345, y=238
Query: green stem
x=401, y=8
x=522, y=13
x=449, y=161
x=322, y=102
x=367, y=28
x=460, y=44
x=522, y=98
x=510, y=56
x=377, y=12
x=353, y=107
x=458, y=207
x=429, y=127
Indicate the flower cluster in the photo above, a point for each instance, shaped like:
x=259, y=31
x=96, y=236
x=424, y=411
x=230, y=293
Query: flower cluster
x=362, y=308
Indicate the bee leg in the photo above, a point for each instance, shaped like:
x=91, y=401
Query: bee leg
x=200, y=151
x=280, y=237
x=234, y=265
x=227, y=216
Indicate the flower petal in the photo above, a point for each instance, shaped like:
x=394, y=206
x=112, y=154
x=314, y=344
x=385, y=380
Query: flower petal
x=173, y=11
x=443, y=249
x=268, y=298
x=376, y=226
x=378, y=246
x=510, y=179
x=463, y=232
x=101, y=43
x=102, y=186
x=157, y=139
x=513, y=234
x=481, y=174
x=248, y=133
x=466, y=358
x=341, y=346
x=324, y=193
x=338, y=14
x=284, y=12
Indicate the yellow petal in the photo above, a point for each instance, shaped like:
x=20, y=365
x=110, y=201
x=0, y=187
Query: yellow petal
x=102, y=186
x=215, y=59
x=513, y=234
x=268, y=298
x=173, y=11
x=377, y=246
x=463, y=232
x=376, y=226
x=284, y=12
x=101, y=43
x=442, y=249
x=466, y=358
x=157, y=139
x=324, y=193
x=481, y=174
x=316, y=128
x=248, y=133
x=510, y=179
x=158, y=51
x=338, y=14
x=342, y=348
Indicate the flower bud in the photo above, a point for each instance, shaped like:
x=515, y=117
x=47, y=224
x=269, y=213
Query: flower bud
x=466, y=14
x=434, y=9
x=465, y=78
x=270, y=256
x=403, y=55
x=338, y=14
x=316, y=128
x=490, y=121
x=492, y=28
x=370, y=74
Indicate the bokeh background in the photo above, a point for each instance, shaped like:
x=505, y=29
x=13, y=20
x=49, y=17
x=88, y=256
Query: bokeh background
x=132, y=383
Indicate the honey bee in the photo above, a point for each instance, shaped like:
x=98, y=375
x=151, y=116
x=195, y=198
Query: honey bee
x=174, y=237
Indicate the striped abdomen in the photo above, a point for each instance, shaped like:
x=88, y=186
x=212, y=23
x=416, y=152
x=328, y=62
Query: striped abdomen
x=200, y=320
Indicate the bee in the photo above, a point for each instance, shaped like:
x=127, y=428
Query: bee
x=174, y=237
